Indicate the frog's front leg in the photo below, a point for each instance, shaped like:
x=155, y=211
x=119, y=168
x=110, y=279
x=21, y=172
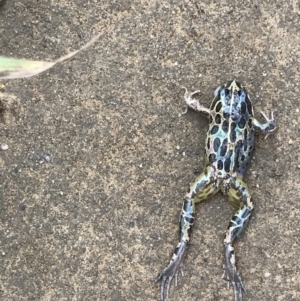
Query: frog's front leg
x=192, y=103
x=269, y=127
x=239, y=194
x=202, y=188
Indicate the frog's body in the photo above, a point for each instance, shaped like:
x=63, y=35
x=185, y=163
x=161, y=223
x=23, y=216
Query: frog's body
x=229, y=145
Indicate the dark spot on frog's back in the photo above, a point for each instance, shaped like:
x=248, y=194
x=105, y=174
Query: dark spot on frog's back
x=239, y=144
x=212, y=158
x=217, y=143
x=208, y=143
x=214, y=129
x=232, y=132
x=249, y=106
x=243, y=108
x=227, y=164
x=223, y=148
x=238, y=147
x=218, y=119
x=250, y=123
x=220, y=164
x=242, y=169
x=245, y=145
x=219, y=106
x=242, y=122
x=225, y=126
x=225, y=115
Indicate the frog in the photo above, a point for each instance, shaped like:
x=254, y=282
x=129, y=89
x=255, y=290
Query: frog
x=229, y=147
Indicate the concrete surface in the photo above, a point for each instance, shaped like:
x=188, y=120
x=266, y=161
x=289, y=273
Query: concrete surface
x=99, y=161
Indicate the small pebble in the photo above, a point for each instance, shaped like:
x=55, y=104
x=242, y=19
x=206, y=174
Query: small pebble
x=22, y=207
x=267, y=274
x=4, y=146
x=47, y=157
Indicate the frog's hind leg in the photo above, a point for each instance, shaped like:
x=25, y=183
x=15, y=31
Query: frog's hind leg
x=238, y=194
x=202, y=188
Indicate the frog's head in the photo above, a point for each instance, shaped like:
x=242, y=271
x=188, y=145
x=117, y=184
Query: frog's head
x=230, y=86
x=233, y=85
x=233, y=94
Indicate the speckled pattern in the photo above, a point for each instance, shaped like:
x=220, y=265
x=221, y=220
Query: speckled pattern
x=100, y=220
x=228, y=148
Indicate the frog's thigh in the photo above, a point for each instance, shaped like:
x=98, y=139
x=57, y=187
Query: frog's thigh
x=204, y=186
x=238, y=192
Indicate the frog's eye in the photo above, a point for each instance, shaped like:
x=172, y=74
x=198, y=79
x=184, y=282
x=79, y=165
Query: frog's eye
x=242, y=95
x=216, y=92
x=223, y=93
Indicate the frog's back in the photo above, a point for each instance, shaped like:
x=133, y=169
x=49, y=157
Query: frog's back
x=230, y=138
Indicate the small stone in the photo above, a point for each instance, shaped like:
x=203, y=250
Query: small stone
x=4, y=146
x=22, y=207
x=267, y=274
x=47, y=157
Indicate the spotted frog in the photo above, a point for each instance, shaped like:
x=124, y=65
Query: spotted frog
x=229, y=145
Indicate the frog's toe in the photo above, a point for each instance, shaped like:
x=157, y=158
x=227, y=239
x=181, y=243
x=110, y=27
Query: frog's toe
x=185, y=109
x=166, y=282
x=233, y=278
x=166, y=277
x=239, y=289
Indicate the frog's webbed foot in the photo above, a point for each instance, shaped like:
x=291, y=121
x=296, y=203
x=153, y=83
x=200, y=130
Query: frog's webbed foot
x=233, y=278
x=171, y=271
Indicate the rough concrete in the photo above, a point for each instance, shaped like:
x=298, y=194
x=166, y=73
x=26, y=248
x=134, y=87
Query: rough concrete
x=99, y=220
